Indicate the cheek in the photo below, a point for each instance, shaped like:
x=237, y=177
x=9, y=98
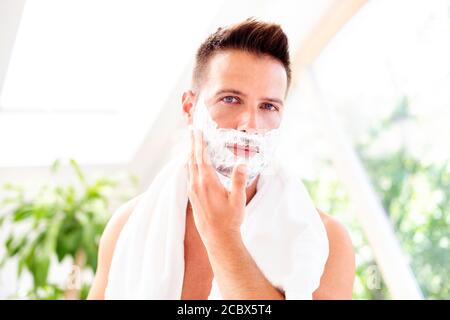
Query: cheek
x=224, y=117
x=269, y=120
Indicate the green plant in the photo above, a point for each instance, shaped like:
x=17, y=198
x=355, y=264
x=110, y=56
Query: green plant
x=56, y=222
x=415, y=194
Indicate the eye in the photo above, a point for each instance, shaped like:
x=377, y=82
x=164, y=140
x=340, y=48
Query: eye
x=269, y=107
x=230, y=99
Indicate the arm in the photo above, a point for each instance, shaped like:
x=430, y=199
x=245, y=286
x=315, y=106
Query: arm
x=339, y=274
x=236, y=272
x=106, y=248
x=234, y=267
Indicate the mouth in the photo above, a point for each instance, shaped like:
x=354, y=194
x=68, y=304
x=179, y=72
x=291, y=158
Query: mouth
x=242, y=150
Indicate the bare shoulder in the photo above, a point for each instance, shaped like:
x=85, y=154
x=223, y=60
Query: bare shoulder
x=107, y=245
x=339, y=274
x=336, y=230
x=117, y=221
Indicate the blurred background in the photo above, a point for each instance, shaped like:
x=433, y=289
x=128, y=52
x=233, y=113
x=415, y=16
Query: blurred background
x=90, y=109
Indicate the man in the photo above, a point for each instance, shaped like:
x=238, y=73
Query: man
x=243, y=74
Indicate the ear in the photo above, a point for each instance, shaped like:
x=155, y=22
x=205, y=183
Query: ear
x=188, y=102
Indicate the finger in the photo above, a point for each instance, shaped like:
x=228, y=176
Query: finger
x=205, y=166
x=208, y=171
x=198, y=157
x=192, y=163
x=238, y=183
x=198, y=148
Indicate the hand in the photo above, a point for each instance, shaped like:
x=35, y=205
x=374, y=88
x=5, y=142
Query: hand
x=218, y=213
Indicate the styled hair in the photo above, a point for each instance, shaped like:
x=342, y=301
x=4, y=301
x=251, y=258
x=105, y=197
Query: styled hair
x=251, y=35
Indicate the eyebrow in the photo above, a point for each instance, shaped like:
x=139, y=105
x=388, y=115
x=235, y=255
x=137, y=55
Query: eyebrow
x=239, y=93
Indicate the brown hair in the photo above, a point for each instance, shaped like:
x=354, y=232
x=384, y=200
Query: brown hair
x=260, y=38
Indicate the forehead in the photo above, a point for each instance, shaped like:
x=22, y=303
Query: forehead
x=246, y=72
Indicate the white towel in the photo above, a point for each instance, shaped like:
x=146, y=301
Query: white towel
x=282, y=231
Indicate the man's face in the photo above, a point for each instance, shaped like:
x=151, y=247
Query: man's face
x=244, y=91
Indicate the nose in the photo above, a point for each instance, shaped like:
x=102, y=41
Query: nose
x=248, y=120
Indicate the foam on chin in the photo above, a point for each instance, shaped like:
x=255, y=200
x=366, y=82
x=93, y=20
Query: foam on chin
x=223, y=159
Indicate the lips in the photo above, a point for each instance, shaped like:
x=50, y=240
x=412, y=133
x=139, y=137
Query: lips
x=242, y=150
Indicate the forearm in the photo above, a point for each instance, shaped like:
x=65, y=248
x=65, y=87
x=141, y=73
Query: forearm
x=236, y=273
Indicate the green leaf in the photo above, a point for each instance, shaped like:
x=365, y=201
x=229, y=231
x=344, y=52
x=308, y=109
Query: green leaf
x=9, y=186
x=23, y=212
x=16, y=245
x=55, y=165
x=9, y=245
x=52, y=234
x=70, y=243
x=21, y=265
x=89, y=245
x=42, y=266
x=78, y=172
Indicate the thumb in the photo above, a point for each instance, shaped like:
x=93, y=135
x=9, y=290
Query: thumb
x=238, y=182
